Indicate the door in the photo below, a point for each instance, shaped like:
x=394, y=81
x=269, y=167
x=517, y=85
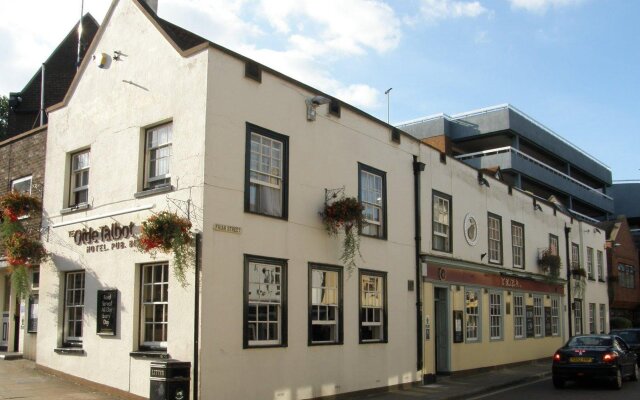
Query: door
x=441, y=307
x=4, y=339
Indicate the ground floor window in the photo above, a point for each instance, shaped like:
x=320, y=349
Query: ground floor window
x=73, y=308
x=577, y=316
x=518, y=316
x=154, y=313
x=265, y=302
x=495, y=315
x=32, y=321
x=373, y=302
x=537, y=316
x=325, y=304
x=472, y=314
x=555, y=316
x=592, y=318
x=603, y=318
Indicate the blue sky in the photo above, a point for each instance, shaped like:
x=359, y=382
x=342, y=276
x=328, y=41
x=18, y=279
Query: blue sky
x=573, y=65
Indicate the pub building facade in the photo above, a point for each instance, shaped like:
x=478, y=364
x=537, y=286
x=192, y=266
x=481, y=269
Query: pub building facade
x=250, y=157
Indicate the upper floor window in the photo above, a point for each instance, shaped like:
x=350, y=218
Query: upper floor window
x=627, y=276
x=373, y=306
x=266, y=180
x=22, y=185
x=441, y=225
x=495, y=238
x=265, y=302
x=575, y=256
x=517, y=244
x=600, y=262
x=373, y=196
x=590, y=263
x=325, y=305
x=553, y=245
x=158, y=156
x=79, y=180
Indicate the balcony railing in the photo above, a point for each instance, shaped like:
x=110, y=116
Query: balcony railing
x=509, y=149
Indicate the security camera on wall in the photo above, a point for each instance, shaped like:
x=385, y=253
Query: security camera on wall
x=102, y=60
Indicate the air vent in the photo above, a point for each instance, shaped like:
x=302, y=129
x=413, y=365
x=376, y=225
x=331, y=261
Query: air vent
x=334, y=108
x=253, y=71
x=395, y=135
x=443, y=158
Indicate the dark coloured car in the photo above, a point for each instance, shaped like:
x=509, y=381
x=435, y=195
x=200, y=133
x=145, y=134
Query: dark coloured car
x=632, y=337
x=604, y=357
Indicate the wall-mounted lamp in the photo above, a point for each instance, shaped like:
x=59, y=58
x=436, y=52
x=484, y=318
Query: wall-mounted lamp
x=482, y=256
x=482, y=180
x=536, y=206
x=313, y=103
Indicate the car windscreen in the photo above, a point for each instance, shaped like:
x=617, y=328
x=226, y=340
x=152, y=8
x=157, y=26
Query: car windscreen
x=590, y=341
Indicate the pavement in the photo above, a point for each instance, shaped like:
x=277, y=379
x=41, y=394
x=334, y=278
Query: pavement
x=20, y=379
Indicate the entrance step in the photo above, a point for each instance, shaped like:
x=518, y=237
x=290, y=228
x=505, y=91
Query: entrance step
x=10, y=356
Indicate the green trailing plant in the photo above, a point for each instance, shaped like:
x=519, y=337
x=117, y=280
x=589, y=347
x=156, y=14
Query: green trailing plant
x=579, y=272
x=21, y=249
x=550, y=263
x=345, y=215
x=168, y=232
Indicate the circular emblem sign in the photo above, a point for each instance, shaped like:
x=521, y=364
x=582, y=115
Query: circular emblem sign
x=470, y=229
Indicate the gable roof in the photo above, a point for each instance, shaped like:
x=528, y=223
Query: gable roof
x=180, y=36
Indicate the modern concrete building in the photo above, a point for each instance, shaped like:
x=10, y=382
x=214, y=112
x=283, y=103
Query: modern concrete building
x=627, y=203
x=448, y=279
x=530, y=156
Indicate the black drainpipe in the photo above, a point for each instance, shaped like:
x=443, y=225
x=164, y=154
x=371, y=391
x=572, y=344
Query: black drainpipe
x=418, y=167
x=196, y=316
x=567, y=230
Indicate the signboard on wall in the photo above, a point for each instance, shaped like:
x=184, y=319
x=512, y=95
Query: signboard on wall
x=107, y=312
x=458, y=333
x=529, y=315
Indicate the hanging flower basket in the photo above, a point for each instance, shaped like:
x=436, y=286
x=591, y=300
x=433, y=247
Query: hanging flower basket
x=550, y=263
x=345, y=215
x=21, y=252
x=168, y=232
x=579, y=272
x=17, y=204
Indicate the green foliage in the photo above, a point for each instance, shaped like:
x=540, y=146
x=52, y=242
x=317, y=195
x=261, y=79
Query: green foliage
x=345, y=214
x=551, y=263
x=168, y=232
x=620, y=323
x=4, y=116
x=20, y=281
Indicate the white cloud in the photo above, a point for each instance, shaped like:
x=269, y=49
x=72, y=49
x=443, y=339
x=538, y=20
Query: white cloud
x=434, y=10
x=541, y=6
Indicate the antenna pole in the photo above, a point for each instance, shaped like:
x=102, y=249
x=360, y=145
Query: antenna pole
x=387, y=92
x=80, y=34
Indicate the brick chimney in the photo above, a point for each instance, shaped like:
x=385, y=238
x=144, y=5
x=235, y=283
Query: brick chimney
x=153, y=4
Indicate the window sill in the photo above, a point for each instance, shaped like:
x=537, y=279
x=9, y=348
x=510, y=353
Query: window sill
x=73, y=209
x=373, y=236
x=150, y=354
x=373, y=341
x=312, y=344
x=154, y=191
x=74, y=351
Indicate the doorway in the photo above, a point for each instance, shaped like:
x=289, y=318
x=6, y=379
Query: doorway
x=441, y=308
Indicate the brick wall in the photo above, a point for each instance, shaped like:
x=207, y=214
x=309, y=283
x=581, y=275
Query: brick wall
x=21, y=156
x=626, y=253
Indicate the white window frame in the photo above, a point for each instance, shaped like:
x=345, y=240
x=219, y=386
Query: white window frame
x=473, y=316
x=600, y=263
x=157, y=284
x=603, y=318
x=575, y=255
x=325, y=300
x=590, y=272
x=441, y=220
x=74, y=293
x=373, y=196
x=555, y=316
x=517, y=242
x=496, y=315
x=265, y=302
x=593, y=329
x=494, y=234
x=519, y=316
x=577, y=316
x=164, y=179
x=373, y=305
x=18, y=181
x=538, y=317
x=553, y=245
x=79, y=172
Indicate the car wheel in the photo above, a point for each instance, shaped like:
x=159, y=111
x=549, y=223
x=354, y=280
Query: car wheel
x=636, y=373
x=558, y=383
x=616, y=383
